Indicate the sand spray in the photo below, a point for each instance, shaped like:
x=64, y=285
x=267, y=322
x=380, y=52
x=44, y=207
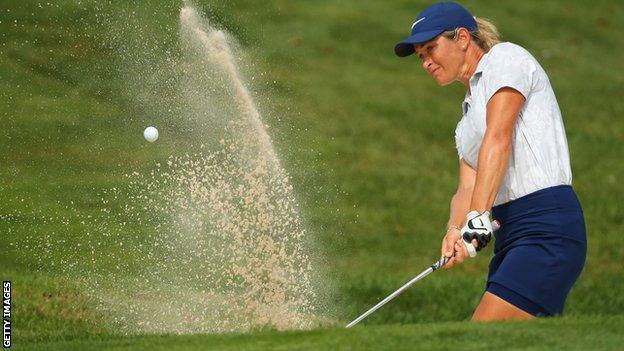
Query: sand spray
x=208, y=241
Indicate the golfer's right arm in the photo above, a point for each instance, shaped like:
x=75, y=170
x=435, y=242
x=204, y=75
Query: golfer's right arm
x=460, y=204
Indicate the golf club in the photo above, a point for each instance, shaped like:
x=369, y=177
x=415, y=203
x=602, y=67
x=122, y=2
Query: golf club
x=435, y=266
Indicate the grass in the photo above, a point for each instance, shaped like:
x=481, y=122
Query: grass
x=367, y=138
x=563, y=333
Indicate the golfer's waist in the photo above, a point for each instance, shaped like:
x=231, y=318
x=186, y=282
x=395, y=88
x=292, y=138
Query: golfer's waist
x=561, y=198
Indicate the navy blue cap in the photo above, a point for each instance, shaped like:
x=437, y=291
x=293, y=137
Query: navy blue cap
x=433, y=21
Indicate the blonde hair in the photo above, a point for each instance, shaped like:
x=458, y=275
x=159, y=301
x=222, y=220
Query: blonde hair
x=485, y=36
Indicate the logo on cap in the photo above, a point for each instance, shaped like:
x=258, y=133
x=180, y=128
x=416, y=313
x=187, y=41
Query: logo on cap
x=415, y=23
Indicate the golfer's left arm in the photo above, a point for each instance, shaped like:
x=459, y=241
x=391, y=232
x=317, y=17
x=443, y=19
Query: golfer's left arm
x=503, y=109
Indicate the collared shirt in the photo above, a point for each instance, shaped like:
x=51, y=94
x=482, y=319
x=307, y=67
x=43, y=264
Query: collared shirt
x=539, y=156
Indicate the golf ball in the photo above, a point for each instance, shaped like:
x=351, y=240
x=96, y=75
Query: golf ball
x=150, y=134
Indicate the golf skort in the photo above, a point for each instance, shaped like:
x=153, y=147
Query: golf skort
x=539, y=251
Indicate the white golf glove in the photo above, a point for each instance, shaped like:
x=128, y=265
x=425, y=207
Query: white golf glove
x=478, y=226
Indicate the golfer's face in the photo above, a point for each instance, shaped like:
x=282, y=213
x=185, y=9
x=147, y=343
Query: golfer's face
x=441, y=58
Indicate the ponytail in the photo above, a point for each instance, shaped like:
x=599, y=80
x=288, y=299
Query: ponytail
x=485, y=36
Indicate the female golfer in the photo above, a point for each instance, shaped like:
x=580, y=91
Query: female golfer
x=513, y=165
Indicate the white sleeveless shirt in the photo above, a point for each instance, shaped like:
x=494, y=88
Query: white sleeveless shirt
x=539, y=157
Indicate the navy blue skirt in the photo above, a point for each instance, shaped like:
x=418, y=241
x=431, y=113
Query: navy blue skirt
x=539, y=251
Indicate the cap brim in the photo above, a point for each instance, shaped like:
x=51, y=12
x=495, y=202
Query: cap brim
x=406, y=47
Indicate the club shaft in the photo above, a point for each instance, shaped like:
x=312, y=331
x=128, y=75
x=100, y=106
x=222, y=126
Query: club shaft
x=391, y=296
x=436, y=265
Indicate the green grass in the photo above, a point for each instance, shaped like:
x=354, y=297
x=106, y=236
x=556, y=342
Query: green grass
x=550, y=334
x=367, y=138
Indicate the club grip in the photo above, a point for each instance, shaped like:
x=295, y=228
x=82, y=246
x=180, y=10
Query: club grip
x=495, y=225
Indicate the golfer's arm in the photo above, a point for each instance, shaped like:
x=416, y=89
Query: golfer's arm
x=461, y=200
x=502, y=113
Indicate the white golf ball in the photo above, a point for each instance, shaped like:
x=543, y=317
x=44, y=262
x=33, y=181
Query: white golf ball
x=150, y=134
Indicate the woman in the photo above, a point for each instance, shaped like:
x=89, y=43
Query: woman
x=513, y=163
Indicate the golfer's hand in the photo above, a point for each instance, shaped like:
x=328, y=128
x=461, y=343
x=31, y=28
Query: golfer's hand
x=478, y=228
x=454, y=248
